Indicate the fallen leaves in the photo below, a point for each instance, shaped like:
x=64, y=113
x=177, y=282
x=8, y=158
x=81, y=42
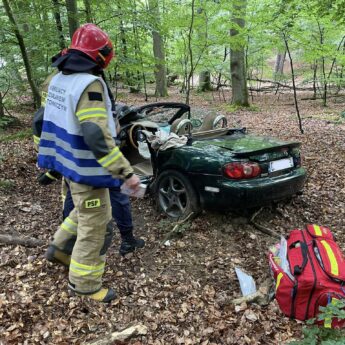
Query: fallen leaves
x=178, y=291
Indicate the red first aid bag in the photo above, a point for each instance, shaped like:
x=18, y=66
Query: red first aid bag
x=316, y=277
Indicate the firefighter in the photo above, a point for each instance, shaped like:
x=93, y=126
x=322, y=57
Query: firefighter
x=120, y=203
x=77, y=142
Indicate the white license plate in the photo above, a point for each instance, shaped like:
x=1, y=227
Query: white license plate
x=280, y=164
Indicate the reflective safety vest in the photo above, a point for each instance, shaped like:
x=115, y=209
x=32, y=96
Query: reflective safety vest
x=62, y=147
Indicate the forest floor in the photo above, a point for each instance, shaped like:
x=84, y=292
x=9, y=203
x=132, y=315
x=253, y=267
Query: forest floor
x=178, y=292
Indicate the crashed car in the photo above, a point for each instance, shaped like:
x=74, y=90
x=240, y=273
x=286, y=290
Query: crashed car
x=201, y=164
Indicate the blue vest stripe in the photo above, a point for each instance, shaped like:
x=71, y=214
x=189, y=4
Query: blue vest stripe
x=76, y=141
x=97, y=181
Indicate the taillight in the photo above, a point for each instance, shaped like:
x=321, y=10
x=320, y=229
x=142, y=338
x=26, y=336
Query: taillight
x=239, y=170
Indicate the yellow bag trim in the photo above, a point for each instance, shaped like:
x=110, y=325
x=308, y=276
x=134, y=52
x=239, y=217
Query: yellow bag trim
x=81, y=118
x=36, y=139
x=279, y=277
x=328, y=320
x=317, y=230
x=83, y=111
x=50, y=176
x=331, y=257
x=94, y=203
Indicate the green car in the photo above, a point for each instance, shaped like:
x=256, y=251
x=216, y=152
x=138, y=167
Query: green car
x=205, y=164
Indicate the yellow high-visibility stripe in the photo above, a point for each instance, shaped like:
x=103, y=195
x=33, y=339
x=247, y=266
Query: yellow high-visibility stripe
x=81, y=118
x=113, y=160
x=110, y=158
x=331, y=257
x=87, y=267
x=317, y=230
x=67, y=229
x=36, y=139
x=69, y=220
x=114, y=150
x=44, y=96
x=83, y=111
x=279, y=277
x=51, y=176
x=86, y=273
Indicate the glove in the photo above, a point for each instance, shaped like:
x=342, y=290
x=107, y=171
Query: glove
x=48, y=177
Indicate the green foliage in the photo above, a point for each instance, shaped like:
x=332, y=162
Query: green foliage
x=21, y=135
x=231, y=108
x=6, y=185
x=313, y=29
x=6, y=121
x=319, y=335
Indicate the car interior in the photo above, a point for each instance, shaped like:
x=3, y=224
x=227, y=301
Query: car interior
x=167, y=117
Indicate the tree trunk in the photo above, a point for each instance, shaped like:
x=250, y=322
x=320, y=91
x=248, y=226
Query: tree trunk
x=2, y=108
x=205, y=81
x=279, y=65
x=158, y=51
x=88, y=11
x=237, y=57
x=57, y=16
x=72, y=14
x=20, y=39
x=190, y=54
x=293, y=83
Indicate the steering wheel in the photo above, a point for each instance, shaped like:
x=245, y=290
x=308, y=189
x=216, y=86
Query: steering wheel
x=132, y=134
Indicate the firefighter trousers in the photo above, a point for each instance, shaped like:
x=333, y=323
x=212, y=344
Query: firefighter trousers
x=87, y=226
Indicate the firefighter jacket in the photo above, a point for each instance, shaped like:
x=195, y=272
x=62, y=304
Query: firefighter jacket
x=78, y=131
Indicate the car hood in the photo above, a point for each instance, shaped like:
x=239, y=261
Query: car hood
x=244, y=145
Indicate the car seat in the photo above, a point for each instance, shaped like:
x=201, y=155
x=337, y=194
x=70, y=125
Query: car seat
x=181, y=126
x=212, y=121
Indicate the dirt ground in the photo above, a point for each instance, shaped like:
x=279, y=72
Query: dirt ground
x=178, y=291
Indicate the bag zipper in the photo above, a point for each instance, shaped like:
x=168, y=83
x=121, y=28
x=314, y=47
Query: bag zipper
x=314, y=273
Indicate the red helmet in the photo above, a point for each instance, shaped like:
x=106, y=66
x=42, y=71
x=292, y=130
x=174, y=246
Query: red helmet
x=94, y=42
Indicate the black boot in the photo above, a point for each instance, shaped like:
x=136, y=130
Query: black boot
x=129, y=244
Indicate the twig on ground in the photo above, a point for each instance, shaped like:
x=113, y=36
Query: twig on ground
x=121, y=336
x=22, y=241
x=176, y=229
x=260, y=227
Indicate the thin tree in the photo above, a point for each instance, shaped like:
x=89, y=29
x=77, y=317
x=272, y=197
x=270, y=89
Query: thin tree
x=88, y=11
x=25, y=57
x=57, y=17
x=72, y=15
x=293, y=82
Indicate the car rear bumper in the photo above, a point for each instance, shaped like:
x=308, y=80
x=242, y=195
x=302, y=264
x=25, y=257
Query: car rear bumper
x=250, y=193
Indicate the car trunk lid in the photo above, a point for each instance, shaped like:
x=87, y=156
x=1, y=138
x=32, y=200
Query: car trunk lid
x=252, y=146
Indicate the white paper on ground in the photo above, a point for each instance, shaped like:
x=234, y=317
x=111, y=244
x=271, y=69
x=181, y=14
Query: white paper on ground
x=247, y=283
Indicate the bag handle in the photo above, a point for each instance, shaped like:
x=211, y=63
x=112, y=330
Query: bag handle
x=304, y=248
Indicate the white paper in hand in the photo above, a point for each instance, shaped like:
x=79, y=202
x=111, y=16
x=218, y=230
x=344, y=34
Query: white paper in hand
x=139, y=193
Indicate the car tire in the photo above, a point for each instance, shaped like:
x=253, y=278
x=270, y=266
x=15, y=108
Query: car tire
x=175, y=196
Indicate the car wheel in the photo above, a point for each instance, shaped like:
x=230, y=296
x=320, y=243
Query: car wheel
x=175, y=195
